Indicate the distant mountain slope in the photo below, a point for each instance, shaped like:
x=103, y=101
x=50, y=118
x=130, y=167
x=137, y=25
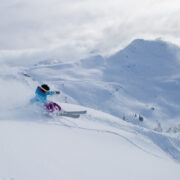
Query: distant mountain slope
x=149, y=71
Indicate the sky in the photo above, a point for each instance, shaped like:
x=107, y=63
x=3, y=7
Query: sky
x=73, y=29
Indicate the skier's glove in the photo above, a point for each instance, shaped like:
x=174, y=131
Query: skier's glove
x=57, y=92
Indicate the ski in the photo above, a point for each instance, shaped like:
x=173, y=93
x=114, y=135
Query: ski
x=70, y=115
x=75, y=112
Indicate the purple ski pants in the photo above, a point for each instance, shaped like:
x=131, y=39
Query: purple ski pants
x=51, y=107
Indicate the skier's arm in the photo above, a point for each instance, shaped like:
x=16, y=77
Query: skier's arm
x=53, y=92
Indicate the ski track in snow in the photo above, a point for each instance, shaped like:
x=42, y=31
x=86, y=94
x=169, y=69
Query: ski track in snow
x=111, y=133
x=163, y=142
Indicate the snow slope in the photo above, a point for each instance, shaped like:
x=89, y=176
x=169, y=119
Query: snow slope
x=98, y=145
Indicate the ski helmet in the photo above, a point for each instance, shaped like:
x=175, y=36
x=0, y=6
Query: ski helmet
x=45, y=87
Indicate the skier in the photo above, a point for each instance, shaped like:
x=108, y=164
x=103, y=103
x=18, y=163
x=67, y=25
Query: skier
x=41, y=98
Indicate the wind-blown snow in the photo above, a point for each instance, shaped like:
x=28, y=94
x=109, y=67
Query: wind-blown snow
x=109, y=142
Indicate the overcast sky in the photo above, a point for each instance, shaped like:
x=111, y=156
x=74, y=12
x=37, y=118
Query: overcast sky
x=74, y=28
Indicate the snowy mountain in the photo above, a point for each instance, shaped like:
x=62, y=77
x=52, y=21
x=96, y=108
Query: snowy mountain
x=131, y=129
x=141, y=79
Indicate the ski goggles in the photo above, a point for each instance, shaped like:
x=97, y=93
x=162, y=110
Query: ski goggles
x=41, y=89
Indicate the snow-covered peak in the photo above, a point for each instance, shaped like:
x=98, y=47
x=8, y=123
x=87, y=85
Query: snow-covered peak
x=146, y=58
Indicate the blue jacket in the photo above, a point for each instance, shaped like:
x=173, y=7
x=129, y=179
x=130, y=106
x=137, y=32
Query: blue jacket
x=41, y=97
